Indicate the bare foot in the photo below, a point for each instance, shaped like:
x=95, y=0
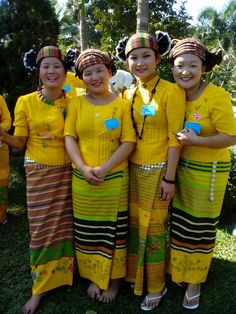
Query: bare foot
x=32, y=304
x=110, y=294
x=192, y=296
x=94, y=291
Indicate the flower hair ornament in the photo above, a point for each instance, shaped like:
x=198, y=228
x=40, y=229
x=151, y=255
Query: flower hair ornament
x=71, y=57
x=120, y=49
x=213, y=58
x=29, y=60
x=161, y=43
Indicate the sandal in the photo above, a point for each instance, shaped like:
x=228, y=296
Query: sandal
x=193, y=306
x=146, y=307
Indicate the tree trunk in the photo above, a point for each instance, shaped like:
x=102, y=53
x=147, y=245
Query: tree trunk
x=83, y=32
x=142, y=15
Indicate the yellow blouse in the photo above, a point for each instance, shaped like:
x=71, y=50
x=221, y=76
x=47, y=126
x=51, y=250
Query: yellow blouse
x=214, y=111
x=5, y=117
x=159, y=130
x=43, y=124
x=86, y=123
x=75, y=85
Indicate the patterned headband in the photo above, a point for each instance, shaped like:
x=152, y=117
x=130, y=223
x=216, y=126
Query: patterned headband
x=141, y=40
x=91, y=57
x=31, y=59
x=188, y=46
x=161, y=43
x=50, y=51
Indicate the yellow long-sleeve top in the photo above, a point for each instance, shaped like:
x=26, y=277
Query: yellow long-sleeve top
x=5, y=117
x=43, y=124
x=159, y=130
x=214, y=111
x=85, y=122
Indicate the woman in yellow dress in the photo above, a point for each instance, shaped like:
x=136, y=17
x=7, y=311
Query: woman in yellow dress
x=5, y=123
x=202, y=175
x=157, y=108
x=99, y=138
x=39, y=124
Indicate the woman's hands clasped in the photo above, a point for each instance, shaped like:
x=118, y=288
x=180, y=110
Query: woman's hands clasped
x=93, y=176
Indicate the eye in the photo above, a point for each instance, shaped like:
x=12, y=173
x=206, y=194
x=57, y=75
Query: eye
x=86, y=73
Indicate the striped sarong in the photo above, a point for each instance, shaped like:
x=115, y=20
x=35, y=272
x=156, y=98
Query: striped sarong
x=196, y=208
x=49, y=202
x=147, y=229
x=4, y=176
x=101, y=226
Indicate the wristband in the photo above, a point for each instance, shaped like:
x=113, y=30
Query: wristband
x=168, y=181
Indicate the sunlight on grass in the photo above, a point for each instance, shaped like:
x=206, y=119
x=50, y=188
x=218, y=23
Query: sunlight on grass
x=16, y=210
x=225, y=248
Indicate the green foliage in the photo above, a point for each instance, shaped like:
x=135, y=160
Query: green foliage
x=69, y=29
x=228, y=214
x=232, y=176
x=109, y=21
x=225, y=74
x=218, y=29
x=24, y=25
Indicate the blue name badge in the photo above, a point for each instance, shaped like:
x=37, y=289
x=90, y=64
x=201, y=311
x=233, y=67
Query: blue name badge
x=148, y=110
x=196, y=126
x=67, y=88
x=111, y=123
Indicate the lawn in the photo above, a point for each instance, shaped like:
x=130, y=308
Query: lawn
x=218, y=293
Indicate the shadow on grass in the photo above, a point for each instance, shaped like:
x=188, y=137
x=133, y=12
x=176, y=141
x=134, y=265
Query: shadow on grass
x=228, y=213
x=218, y=293
x=16, y=191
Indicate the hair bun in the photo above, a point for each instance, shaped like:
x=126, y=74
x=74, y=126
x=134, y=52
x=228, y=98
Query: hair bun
x=218, y=55
x=29, y=60
x=213, y=57
x=164, y=42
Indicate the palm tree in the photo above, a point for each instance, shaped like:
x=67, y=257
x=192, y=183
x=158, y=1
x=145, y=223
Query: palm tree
x=219, y=28
x=142, y=15
x=82, y=17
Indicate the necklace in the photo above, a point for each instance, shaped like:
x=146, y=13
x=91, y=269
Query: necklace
x=47, y=101
x=140, y=136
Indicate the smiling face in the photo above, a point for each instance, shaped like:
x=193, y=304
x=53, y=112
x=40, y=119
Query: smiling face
x=52, y=73
x=96, y=78
x=187, y=71
x=142, y=63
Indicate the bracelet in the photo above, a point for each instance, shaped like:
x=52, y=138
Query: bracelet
x=168, y=181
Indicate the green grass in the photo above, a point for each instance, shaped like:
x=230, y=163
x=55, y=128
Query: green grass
x=218, y=293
